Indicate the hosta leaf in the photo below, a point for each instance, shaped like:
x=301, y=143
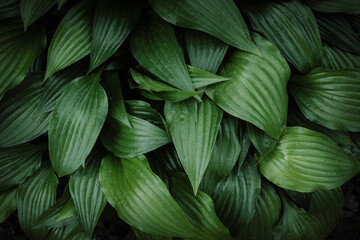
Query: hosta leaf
x=141, y=198
x=291, y=27
x=307, y=161
x=337, y=59
x=267, y=214
x=19, y=162
x=329, y=97
x=257, y=90
x=244, y=142
x=193, y=128
x=71, y=41
x=18, y=49
x=9, y=8
x=113, y=22
x=200, y=209
x=33, y=198
x=205, y=51
x=86, y=193
x=155, y=47
x=8, y=203
x=19, y=121
x=220, y=18
x=76, y=122
x=201, y=78
x=67, y=212
x=263, y=143
x=143, y=110
x=296, y=223
x=226, y=152
x=31, y=10
x=61, y=232
x=327, y=206
x=61, y=3
x=301, y=199
x=235, y=197
x=145, y=236
x=336, y=30
x=332, y=6
x=168, y=157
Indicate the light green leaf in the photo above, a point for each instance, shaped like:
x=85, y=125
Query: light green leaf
x=8, y=203
x=256, y=92
x=235, y=197
x=330, y=98
x=141, y=198
x=113, y=22
x=88, y=198
x=205, y=51
x=71, y=41
x=307, y=161
x=67, y=212
x=145, y=236
x=155, y=47
x=193, y=127
x=18, y=49
x=19, y=162
x=76, y=122
x=337, y=59
x=31, y=10
x=220, y=18
x=33, y=198
x=9, y=8
x=200, y=210
x=332, y=6
x=291, y=27
x=19, y=121
x=201, y=78
x=263, y=143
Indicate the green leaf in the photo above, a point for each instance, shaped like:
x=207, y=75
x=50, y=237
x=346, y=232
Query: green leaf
x=113, y=22
x=141, y=198
x=267, y=214
x=19, y=162
x=256, y=92
x=67, y=212
x=332, y=6
x=167, y=157
x=18, y=49
x=226, y=152
x=235, y=197
x=76, y=122
x=263, y=143
x=244, y=142
x=200, y=209
x=291, y=27
x=9, y=8
x=31, y=10
x=71, y=41
x=61, y=3
x=220, y=18
x=145, y=236
x=329, y=97
x=337, y=59
x=33, y=198
x=327, y=206
x=8, y=203
x=336, y=30
x=296, y=223
x=307, y=161
x=193, y=127
x=143, y=110
x=205, y=51
x=88, y=198
x=19, y=121
x=201, y=78
x=302, y=200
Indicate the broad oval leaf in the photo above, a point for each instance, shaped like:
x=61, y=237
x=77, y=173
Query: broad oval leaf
x=31, y=10
x=113, y=22
x=76, y=122
x=19, y=121
x=71, y=41
x=291, y=27
x=193, y=127
x=334, y=58
x=19, y=162
x=220, y=18
x=33, y=198
x=307, y=161
x=141, y=198
x=333, y=6
x=8, y=203
x=330, y=98
x=256, y=92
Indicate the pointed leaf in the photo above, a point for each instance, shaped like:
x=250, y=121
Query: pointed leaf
x=141, y=198
x=337, y=59
x=193, y=128
x=76, y=122
x=71, y=41
x=256, y=92
x=61, y=3
x=330, y=98
x=201, y=78
x=291, y=27
x=331, y=6
x=307, y=161
x=8, y=203
x=143, y=110
x=113, y=22
x=31, y=10
x=67, y=212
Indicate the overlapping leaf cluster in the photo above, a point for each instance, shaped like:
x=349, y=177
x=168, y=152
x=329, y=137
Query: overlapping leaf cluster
x=231, y=128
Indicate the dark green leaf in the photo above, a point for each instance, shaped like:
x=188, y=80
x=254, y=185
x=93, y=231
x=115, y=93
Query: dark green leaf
x=167, y=157
x=337, y=59
x=31, y=10
x=201, y=78
x=333, y=6
x=143, y=110
x=261, y=141
x=145, y=236
x=61, y=3
x=302, y=200
x=9, y=8
x=8, y=203
x=244, y=142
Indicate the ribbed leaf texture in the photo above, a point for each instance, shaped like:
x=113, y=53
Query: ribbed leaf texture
x=334, y=58
x=263, y=143
x=8, y=203
x=333, y=6
x=9, y=8
x=31, y=10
